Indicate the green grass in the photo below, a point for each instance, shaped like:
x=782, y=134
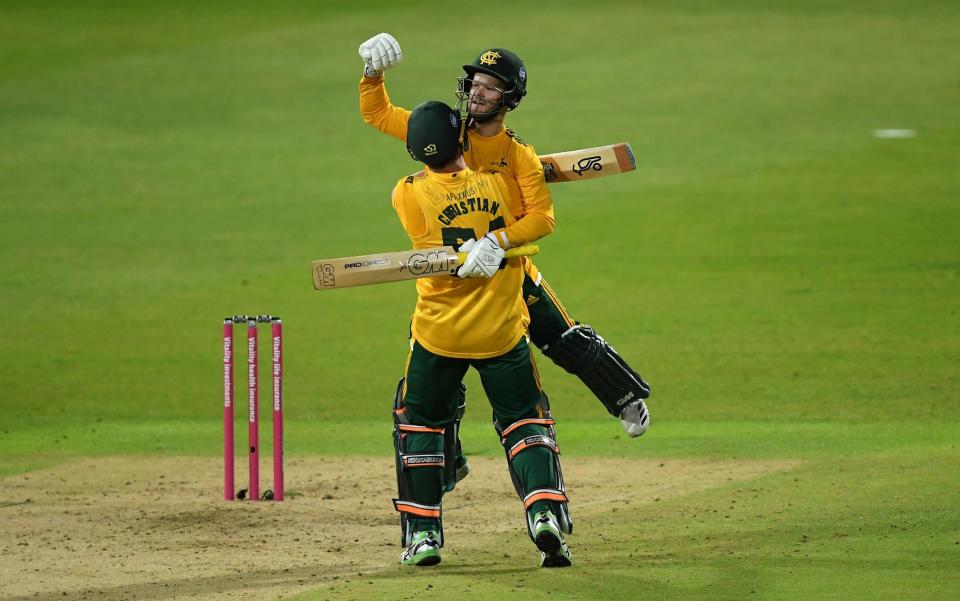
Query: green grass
x=787, y=282
x=861, y=529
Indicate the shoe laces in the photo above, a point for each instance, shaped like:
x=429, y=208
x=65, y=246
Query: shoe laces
x=427, y=536
x=544, y=516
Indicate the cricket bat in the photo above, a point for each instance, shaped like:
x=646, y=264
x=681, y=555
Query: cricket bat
x=588, y=163
x=380, y=268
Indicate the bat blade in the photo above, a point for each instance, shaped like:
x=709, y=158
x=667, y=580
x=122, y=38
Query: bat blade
x=588, y=163
x=381, y=268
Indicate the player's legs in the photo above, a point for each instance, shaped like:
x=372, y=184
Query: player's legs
x=581, y=351
x=522, y=418
x=425, y=408
x=460, y=468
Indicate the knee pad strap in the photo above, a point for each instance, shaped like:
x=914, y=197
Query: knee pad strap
x=544, y=494
x=537, y=440
x=417, y=509
x=546, y=422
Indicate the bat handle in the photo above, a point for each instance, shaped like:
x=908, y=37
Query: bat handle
x=521, y=251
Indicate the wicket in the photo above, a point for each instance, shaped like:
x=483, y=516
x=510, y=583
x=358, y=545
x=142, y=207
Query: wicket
x=253, y=428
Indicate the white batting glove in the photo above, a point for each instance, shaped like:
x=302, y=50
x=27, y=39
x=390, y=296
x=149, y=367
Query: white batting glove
x=380, y=53
x=483, y=258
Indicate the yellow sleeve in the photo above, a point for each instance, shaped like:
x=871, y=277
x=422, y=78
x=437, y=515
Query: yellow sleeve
x=377, y=111
x=536, y=218
x=408, y=210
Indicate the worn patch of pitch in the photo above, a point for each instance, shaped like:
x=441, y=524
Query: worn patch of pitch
x=154, y=528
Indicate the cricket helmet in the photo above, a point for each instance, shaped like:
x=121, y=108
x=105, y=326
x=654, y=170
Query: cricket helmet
x=505, y=66
x=434, y=133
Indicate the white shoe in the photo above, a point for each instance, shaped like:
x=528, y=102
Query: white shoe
x=635, y=419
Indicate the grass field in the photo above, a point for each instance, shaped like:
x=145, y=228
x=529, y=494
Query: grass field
x=786, y=281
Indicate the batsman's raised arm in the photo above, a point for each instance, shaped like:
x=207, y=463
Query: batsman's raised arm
x=375, y=106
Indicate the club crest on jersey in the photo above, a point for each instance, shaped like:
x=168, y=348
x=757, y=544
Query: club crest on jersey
x=430, y=149
x=489, y=57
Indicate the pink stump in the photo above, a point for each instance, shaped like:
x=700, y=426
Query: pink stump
x=254, y=423
x=277, y=332
x=228, y=409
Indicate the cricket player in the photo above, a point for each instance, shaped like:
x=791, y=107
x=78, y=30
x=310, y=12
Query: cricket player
x=472, y=319
x=494, y=84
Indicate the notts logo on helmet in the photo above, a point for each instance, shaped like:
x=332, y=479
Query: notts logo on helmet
x=430, y=149
x=523, y=74
x=489, y=57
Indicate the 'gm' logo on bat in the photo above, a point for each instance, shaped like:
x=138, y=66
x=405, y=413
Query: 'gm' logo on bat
x=434, y=262
x=587, y=163
x=326, y=275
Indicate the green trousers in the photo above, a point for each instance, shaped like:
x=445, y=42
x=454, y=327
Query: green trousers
x=511, y=384
x=548, y=317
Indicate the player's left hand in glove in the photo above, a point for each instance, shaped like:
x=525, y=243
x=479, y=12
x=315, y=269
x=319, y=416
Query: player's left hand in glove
x=380, y=53
x=483, y=257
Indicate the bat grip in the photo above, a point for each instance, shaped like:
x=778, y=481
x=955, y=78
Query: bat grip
x=520, y=251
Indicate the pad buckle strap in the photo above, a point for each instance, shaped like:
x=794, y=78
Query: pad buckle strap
x=423, y=460
x=420, y=429
x=546, y=422
x=544, y=494
x=537, y=440
x=417, y=509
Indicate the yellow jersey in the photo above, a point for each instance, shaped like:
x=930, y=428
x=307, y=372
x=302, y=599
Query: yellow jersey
x=471, y=318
